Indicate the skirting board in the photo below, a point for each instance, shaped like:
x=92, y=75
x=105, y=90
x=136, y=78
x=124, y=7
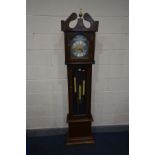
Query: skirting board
x=61, y=131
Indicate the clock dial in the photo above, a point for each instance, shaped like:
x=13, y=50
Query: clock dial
x=79, y=46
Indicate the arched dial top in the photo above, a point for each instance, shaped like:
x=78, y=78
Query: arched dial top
x=79, y=26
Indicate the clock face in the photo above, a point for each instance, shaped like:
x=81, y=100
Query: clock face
x=79, y=47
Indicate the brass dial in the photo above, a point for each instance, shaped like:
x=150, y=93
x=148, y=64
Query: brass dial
x=79, y=46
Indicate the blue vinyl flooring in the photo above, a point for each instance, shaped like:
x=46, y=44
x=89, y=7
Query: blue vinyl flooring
x=112, y=143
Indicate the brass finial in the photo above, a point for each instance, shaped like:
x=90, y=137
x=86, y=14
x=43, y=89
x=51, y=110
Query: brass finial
x=80, y=14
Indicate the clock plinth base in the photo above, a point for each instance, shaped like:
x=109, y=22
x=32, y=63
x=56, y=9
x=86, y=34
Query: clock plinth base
x=80, y=140
x=79, y=131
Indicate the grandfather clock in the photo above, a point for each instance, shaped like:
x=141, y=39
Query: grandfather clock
x=79, y=57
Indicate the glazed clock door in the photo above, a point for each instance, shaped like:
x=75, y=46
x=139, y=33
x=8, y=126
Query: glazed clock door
x=79, y=78
x=79, y=47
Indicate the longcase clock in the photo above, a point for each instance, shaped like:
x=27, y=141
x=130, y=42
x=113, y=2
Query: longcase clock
x=79, y=57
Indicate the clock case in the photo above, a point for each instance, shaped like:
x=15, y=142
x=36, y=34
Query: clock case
x=79, y=117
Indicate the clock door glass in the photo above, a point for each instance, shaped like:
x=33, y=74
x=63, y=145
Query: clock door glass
x=79, y=91
x=79, y=47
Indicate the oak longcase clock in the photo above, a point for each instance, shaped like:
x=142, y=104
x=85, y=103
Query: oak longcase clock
x=79, y=57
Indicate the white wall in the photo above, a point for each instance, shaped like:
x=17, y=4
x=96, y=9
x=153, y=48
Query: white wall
x=47, y=104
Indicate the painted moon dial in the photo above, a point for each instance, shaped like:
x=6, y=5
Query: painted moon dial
x=79, y=46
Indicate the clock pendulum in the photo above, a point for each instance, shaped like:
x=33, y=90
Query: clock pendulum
x=79, y=57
